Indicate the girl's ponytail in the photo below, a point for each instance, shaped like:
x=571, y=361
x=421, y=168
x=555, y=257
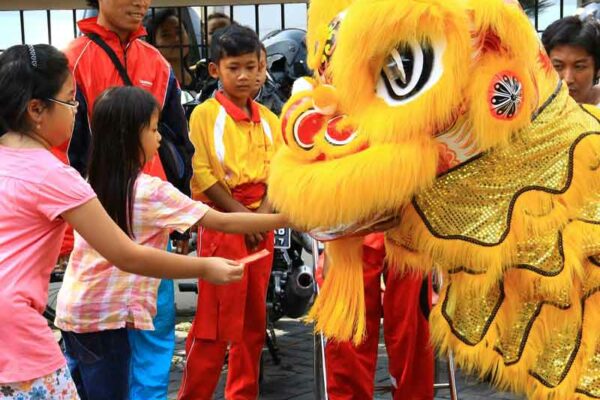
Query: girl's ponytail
x=118, y=118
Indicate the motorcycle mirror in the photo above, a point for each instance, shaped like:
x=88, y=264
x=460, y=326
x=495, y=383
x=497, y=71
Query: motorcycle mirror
x=186, y=97
x=277, y=60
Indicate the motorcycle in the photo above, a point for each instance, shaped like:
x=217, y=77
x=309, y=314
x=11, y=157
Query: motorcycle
x=292, y=283
x=291, y=287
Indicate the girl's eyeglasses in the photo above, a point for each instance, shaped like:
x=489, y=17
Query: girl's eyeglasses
x=70, y=104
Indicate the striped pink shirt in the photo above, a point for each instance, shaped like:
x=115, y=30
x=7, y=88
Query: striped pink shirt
x=96, y=295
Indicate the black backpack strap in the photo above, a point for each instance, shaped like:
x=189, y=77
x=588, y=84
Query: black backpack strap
x=113, y=57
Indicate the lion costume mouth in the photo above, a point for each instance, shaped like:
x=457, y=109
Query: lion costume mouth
x=341, y=231
x=349, y=192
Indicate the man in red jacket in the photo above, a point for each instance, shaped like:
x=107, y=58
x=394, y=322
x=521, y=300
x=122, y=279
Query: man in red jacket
x=119, y=29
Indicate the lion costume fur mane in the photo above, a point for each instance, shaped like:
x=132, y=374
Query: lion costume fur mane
x=448, y=114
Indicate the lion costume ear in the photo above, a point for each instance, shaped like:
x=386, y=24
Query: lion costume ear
x=321, y=14
x=502, y=92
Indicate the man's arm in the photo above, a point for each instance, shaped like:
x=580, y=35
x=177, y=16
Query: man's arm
x=79, y=146
x=173, y=119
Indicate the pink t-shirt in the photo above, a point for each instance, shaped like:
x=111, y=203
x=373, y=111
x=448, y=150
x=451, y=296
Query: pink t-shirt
x=35, y=189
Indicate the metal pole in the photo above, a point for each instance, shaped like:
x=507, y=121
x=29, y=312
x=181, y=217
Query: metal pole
x=256, y=19
x=452, y=376
x=22, y=18
x=536, y=10
x=48, y=19
x=204, y=40
x=74, y=23
x=321, y=339
x=562, y=8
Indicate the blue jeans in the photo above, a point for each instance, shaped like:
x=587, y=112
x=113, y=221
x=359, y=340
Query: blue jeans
x=99, y=363
x=152, y=351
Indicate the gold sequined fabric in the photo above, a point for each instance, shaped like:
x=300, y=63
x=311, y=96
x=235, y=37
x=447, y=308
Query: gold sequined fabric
x=518, y=302
x=589, y=219
x=543, y=255
x=482, y=193
x=558, y=355
x=589, y=383
x=591, y=283
x=470, y=313
x=591, y=212
x=525, y=301
x=591, y=240
x=510, y=346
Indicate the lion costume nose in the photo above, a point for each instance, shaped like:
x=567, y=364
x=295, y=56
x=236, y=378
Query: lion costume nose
x=313, y=128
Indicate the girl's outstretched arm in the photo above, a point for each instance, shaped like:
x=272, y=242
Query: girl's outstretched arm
x=92, y=222
x=242, y=222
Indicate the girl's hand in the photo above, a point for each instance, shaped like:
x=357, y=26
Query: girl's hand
x=220, y=271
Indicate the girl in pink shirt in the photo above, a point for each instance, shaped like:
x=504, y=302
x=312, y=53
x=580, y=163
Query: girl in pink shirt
x=98, y=303
x=38, y=196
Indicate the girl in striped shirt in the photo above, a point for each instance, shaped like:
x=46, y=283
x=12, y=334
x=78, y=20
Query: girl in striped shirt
x=98, y=302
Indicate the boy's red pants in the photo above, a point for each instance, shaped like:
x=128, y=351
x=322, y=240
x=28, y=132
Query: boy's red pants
x=351, y=370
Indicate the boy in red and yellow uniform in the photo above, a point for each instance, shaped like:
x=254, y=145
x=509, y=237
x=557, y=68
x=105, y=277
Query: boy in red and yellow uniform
x=234, y=139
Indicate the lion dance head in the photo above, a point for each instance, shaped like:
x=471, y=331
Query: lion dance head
x=449, y=115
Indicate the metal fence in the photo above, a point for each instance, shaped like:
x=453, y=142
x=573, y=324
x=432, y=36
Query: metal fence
x=543, y=12
x=57, y=26
x=36, y=21
x=55, y=22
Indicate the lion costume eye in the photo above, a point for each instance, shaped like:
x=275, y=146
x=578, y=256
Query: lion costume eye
x=409, y=70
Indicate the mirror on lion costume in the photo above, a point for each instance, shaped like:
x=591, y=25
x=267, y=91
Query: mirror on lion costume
x=449, y=114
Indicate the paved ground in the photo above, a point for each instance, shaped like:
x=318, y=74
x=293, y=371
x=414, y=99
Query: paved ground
x=292, y=379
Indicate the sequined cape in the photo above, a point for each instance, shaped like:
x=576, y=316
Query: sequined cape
x=516, y=232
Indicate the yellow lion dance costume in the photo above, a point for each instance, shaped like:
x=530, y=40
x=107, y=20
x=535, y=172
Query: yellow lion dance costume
x=448, y=113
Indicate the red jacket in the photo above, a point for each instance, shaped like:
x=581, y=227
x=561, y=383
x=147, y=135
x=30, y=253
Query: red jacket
x=94, y=72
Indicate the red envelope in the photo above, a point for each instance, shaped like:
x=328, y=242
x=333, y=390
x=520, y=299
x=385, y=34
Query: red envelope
x=254, y=257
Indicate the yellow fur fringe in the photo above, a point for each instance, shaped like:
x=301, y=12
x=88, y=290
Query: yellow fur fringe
x=339, y=311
